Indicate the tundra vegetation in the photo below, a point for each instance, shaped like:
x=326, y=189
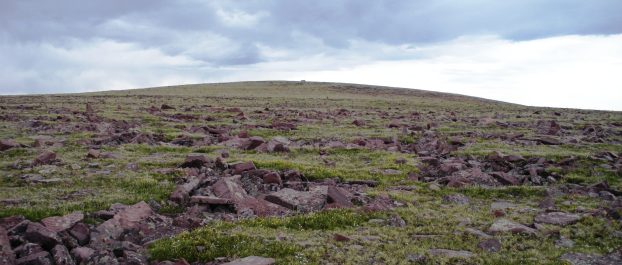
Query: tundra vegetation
x=305, y=173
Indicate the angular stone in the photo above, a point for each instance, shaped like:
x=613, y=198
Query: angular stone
x=195, y=161
x=62, y=223
x=8, y=144
x=82, y=254
x=125, y=220
x=477, y=233
x=40, y=258
x=340, y=238
x=557, y=218
x=504, y=225
x=338, y=197
x=298, y=200
x=505, y=179
x=460, y=199
x=7, y=256
x=245, y=166
x=252, y=260
x=37, y=233
x=182, y=192
x=9, y=222
x=81, y=233
x=27, y=249
x=44, y=158
x=93, y=153
x=272, y=178
x=61, y=256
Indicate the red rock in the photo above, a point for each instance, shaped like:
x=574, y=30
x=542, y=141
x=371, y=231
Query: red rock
x=254, y=142
x=359, y=123
x=505, y=178
x=93, y=153
x=39, y=258
x=272, y=178
x=338, y=196
x=81, y=233
x=82, y=254
x=62, y=223
x=8, y=144
x=210, y=200
x=167, y=107
x=230, y=188
x=340, y=238
x=9, y=222
x=61, y=255
x=44, y=158
x=37, y=233
x=245, y=166
x=7, y=256
x=182, y=192
x=195, y=161
x=126, y=219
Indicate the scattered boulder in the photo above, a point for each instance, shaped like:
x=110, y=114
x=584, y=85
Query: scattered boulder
x=460, y=199
x=44, y=158
x=557, y=218
x=242, y=167
x=338, y=197
x=504, y=226
x=490, y=245
x=8, y=144
x=93, y=153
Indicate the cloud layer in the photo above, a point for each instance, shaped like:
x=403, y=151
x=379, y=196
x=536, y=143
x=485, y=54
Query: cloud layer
x=563, y=53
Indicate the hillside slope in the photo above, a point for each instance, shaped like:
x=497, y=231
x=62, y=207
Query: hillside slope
x=307, y=173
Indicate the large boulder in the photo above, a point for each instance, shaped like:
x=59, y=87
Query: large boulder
x=37, y=233
x=62, y=223
x=126, y=219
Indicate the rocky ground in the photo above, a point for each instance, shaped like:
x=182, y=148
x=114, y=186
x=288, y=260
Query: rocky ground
x=305, y=173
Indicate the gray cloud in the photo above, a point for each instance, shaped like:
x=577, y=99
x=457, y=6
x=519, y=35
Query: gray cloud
x=41, y=41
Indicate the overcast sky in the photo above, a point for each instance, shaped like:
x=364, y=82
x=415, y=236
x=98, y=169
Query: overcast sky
x=561, y=53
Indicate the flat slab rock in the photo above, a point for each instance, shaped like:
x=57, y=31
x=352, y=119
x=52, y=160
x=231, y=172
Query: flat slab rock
x=451, y=253
x=62, y=223
x=304, y=201
x=589, y=259
x=252, y=260
x=557, y=218
x=504, y=226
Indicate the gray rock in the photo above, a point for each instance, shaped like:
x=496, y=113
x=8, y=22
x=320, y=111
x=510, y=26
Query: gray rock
x=504, y=226
x=252, y=260
x=477, y=233
x=490, y=245
x=456, y=199
x=312, y=200
x=614, y=258
x=61, y=256
x=557, y=218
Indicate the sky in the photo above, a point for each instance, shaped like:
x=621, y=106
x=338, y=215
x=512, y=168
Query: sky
x=556, y=53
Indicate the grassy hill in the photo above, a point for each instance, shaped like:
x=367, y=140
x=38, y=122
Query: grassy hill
x=423, y=169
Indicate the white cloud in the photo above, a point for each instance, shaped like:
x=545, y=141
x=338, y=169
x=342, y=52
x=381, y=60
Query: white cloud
x=566, y=71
